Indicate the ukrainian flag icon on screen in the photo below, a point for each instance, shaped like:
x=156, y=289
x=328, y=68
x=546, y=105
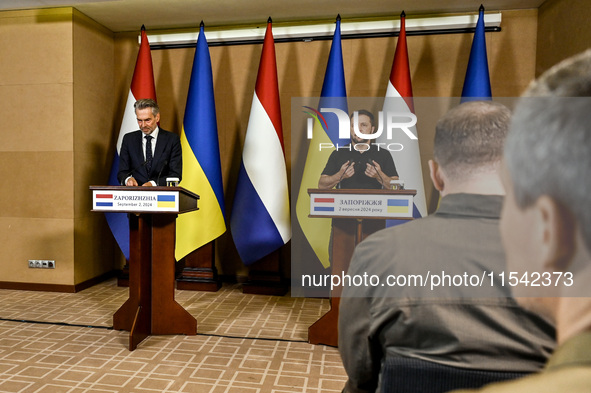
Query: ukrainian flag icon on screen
x=399, y=206
x=166, y=200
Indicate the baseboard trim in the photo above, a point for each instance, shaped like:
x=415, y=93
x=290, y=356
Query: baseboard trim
x=96, y=280
x=31, y=286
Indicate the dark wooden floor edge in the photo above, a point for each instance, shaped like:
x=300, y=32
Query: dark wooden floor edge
x=31, y=286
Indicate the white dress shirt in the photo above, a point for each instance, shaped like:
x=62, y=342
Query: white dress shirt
x=154, y=136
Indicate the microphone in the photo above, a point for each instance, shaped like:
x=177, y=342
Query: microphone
x=160, y=172
x=341, y=178
x=134, y=169
x=378, y=172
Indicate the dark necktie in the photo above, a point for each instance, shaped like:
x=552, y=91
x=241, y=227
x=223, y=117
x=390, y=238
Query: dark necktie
x=148, y=154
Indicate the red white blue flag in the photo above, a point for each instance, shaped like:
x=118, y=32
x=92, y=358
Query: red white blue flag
x=142, y=86
x=399, y=99
x=260, y=221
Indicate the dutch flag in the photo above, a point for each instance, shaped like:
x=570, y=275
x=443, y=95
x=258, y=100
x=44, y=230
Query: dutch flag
x=260, y=221
x=399, y=99
x=142, y=86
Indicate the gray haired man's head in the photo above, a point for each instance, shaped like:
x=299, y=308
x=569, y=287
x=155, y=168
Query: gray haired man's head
x=144, y=103
x=548, y=149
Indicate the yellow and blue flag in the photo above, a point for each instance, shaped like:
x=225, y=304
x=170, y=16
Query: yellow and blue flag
x=202, y=171
x=477, y=80
x=333, y=95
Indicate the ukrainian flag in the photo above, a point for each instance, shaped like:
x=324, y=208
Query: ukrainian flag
x=202, y=172
x=477, y=80
x=333, y=95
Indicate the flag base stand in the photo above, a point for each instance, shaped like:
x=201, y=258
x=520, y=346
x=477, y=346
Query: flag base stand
x=123, y=277
x=265, y=278
x=199, y=272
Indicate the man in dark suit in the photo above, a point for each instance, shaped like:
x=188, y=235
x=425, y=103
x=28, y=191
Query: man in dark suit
x=150, y=155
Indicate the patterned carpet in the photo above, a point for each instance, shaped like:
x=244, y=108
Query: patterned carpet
x=56, y=342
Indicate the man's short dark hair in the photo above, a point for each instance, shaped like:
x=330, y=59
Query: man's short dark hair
x=366, y=113
x=470, y=137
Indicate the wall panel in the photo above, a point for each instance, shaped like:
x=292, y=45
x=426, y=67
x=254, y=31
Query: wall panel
x=27, y=238
x=563, y=31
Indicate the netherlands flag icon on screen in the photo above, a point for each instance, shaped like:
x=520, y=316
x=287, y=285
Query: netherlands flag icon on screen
x=323, y=204
x=166, y=200
x=104, y=200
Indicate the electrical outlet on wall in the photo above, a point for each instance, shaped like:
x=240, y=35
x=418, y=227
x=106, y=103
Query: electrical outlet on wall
x=41, y=264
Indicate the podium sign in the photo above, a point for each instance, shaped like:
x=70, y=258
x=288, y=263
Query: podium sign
x=360, y=204
x=129, y=201
x=141, y=200
x=355, y=215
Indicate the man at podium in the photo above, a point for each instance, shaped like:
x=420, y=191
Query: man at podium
x=149, y=155
x=359, y=164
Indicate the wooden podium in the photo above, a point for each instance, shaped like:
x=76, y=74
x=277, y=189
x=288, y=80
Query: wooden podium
x=355, y=215
x=151, y=308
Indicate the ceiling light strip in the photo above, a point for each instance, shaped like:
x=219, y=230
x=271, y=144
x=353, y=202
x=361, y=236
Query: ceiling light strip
x=439, y=25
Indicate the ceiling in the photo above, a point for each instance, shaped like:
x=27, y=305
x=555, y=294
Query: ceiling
x=129, y=15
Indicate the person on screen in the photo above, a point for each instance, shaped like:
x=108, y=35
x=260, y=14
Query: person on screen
x=546, y=219
x=482, y=329
x=149, y=155
x=360, y=164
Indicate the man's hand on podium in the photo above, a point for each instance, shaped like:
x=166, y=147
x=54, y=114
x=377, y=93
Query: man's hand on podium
x=131, y=182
